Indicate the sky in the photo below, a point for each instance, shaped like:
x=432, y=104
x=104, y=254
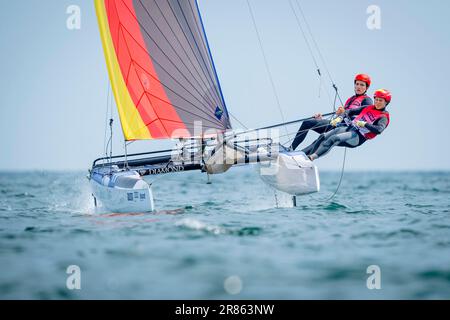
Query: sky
x=54, y=81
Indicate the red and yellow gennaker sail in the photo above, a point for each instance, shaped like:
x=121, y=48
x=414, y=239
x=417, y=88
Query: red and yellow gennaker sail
x=160, y=67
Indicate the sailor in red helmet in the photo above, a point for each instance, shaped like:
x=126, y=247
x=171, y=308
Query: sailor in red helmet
x=368, y=122
x=320, y=125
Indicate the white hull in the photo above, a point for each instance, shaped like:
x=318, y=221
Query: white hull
x=135, y=195
x=291, y=172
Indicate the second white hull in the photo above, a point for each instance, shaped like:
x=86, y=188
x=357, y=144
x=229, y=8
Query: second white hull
x=291, y=172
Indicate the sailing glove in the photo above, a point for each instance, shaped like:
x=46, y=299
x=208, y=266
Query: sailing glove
x=361, y=124
x=336, y=121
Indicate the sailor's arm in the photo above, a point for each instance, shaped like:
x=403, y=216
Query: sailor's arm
x=379, y=127
x=354, y=112
x=367, y=102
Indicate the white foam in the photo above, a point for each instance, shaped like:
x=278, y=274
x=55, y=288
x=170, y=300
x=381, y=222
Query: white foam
x=194, y=224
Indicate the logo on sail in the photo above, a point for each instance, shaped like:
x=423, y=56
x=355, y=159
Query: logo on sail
x=218, y=113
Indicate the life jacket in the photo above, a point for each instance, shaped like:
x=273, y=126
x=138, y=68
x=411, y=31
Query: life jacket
x=355, y=101
x=352, y=103
x=370, y=114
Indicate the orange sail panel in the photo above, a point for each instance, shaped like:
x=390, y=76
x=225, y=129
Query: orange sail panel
x=161, y=69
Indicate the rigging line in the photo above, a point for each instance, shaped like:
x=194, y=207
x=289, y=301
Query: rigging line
x=109, y=123
x=282, y=124
x=108, y=158
x=340, y=180
x=304, y=130
x=341, y=177
x=315, y=127
x=343, y=161
x=335, y=98
x=334, y=87
x=318, y=50
x=111, y=140
x=106, y=118
x=126, y=154
x=205, y=86
x=266, y=63
x=314, y=41
x=305, y=38
x=237, y=120
x=162, y=51
x=294, y=134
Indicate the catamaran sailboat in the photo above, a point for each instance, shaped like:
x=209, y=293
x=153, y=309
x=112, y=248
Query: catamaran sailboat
x=166, y=86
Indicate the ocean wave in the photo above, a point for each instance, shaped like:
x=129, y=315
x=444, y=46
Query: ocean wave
x=401, y=233
x=194, y=224
x=435, y=274
x=24, y=195
x=421, y=189
x=415, y=205
x=334, y=206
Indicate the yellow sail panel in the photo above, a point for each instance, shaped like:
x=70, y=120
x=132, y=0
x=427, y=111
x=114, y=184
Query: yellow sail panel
x=133, y=126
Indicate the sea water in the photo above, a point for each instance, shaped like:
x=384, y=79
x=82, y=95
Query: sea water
x=385, y=235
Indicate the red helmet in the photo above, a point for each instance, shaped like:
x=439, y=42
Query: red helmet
x=383, y=93
x=364, y=78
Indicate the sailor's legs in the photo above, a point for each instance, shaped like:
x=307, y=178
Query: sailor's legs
x=319, y=126
x=309, y=149
x=312, y=148
x=341, y=136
